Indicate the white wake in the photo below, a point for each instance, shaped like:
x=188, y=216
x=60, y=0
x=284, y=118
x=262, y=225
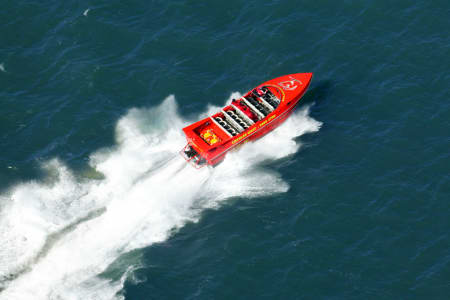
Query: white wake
x=59, y=235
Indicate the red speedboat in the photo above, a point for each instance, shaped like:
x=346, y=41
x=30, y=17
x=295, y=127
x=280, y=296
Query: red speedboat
x=250, y=117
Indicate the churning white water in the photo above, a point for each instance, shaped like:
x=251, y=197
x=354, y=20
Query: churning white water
x=59, y=235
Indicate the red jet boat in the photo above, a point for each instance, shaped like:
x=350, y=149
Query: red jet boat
x=250, y=117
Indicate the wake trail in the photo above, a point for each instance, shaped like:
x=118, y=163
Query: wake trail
x=60, y=235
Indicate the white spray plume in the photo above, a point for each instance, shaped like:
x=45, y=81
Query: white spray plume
x=59, y=235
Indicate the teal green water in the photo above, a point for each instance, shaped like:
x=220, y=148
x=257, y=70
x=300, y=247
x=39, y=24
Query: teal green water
x=347, y=200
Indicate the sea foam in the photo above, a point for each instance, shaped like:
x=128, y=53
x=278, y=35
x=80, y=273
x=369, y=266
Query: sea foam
x=60, y=235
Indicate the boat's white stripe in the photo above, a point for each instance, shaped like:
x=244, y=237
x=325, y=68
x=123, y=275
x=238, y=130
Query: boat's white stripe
x=266, y=104
x=242, y=115
x=235, y=124
x=260, y=114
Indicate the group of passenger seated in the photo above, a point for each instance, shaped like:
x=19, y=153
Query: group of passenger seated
x=245, y=109
x=260, y=91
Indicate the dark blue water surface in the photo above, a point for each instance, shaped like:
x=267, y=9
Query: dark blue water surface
x=359, y=211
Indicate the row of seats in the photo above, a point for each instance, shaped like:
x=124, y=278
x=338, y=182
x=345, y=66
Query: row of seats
x=258, y=105
x=268, y=97
x=227, y=126
x=238, y=124
x=245, y=110
x=237, y=119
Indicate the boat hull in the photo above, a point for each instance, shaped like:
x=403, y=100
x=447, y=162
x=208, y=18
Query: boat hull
x=288, y=90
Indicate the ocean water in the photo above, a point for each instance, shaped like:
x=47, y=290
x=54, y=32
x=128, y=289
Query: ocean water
x=349, y=199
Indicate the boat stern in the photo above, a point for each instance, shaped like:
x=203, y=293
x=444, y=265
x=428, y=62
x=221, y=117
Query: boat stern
x=193, y=156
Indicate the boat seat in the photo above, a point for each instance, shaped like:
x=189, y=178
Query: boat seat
x=245, y=109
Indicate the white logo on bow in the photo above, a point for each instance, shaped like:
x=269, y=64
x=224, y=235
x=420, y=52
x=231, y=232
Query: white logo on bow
x=290, y=85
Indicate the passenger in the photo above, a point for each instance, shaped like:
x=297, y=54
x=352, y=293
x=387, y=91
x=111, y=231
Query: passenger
x=260, y=92
x=244, y=108
x=235, y=103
